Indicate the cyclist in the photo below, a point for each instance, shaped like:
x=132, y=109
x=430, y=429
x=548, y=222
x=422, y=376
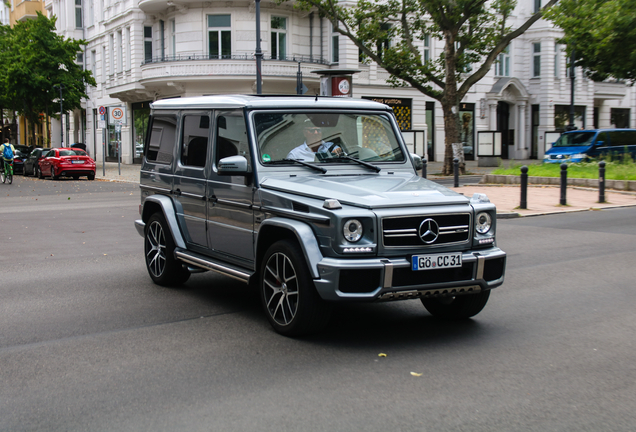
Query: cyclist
x=7, y=152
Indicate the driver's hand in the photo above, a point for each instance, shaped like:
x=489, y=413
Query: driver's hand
x=337, y=151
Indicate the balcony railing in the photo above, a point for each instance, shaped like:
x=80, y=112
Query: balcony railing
x=200, y=57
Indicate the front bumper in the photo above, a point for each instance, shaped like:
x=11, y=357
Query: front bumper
x=393, y=279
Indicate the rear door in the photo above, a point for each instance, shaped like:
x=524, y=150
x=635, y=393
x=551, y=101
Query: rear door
x=189, y=187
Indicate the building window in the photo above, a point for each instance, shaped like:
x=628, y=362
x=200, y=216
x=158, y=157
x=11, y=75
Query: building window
x=536, y=59
x=173, y=37
x=537, y=6
x=80, y=60
x=557, y=59
x=147, y=44
x=94, y=63
x=384, y=43
x=502, y=67
x=335, y=46
x=111, y=70
x=78, y=14
x=103, y=65
x=427, y=48
x=120, y=53
x=128, y=51
x=619, y=117
x=279, y=38
x=220, y=36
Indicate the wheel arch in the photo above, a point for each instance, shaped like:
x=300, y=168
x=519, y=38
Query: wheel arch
x=163, y=204
x=276, y=228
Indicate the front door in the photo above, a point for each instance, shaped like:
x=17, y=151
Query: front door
x=230, y=212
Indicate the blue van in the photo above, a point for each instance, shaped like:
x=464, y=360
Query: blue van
x=583, y=145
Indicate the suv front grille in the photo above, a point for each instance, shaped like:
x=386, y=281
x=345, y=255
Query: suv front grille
x=428, y=230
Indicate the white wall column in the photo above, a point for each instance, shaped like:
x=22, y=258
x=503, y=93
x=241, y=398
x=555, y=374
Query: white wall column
x=522, y=151
x=492, y=116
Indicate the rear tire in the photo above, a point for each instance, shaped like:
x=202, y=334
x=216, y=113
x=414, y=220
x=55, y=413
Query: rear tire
x=53, y=176
x=456, y=308
x=164, y=269
x=288, y=294
x=91, y=176
x=38, y=172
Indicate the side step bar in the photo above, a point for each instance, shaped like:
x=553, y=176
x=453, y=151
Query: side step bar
x=212, y=264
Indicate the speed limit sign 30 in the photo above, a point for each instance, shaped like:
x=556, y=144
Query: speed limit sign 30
x=117, y=115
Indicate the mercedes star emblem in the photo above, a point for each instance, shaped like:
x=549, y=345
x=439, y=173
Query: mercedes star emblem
x=429, y=231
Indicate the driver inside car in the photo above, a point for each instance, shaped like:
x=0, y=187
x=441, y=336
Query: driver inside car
x=314, y=146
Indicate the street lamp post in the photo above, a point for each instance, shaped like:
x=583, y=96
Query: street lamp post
x=61, y=87
x=258, y=54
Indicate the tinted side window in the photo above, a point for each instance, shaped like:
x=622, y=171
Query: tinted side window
x=601, y=139
x=162, y=139
x=622, y=138
x=194, y=140
x=231, y=135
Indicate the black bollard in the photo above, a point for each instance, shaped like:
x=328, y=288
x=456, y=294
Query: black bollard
x=524, y=188
x=424, y=167
x=564, y=183
x=601, y=181
x=456, y=171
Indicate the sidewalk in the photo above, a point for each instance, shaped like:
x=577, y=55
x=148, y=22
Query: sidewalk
x=541, y=199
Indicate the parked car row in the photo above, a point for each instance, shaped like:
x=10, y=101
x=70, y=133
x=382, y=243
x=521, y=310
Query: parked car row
x=54, y=162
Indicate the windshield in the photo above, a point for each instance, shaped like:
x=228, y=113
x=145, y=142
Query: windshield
x=575, y=139
x=326, y=137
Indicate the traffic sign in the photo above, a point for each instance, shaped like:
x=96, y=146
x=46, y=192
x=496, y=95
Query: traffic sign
x=117, y=114
x=102, y=110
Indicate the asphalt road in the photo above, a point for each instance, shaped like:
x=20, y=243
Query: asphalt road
x=88, y=343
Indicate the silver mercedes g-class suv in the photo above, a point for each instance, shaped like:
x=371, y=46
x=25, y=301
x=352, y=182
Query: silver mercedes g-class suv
x=314, y=201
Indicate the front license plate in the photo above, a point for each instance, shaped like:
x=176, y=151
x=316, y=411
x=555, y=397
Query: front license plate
x=77, y=162
x=437, y=261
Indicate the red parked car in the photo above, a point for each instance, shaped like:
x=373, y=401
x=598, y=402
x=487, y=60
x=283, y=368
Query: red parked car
x=66, y=162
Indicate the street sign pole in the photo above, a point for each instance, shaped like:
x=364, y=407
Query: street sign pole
x=118, y=133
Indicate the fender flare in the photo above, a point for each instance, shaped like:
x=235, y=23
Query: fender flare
x=167, y=207
x=305, y=237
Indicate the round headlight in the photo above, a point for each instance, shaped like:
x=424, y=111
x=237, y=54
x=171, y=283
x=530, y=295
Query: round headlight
x=352, y=230
x=483, y=222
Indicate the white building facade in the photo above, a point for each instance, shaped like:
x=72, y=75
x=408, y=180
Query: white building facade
x=142, y=51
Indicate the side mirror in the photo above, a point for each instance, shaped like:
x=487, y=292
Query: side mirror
x=417, y=161
x=233, y=165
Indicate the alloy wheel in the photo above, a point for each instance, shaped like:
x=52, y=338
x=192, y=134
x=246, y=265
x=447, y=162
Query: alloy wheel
x=156, y=255
x=280, y=288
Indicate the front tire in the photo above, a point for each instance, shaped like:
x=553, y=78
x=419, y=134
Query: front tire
x=38, y=172
x=289, y=297
x=456, y=308
x=164, y=269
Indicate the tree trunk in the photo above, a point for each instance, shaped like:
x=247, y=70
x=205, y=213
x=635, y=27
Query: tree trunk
x=450, y=104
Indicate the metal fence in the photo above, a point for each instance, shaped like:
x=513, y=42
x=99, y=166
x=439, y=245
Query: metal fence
x=200, y=57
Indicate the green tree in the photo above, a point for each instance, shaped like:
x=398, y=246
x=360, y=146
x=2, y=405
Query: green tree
x=388, y=32
x=602, y=34
x=34, y=58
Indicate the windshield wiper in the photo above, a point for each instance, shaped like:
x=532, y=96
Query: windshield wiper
x=358, y=161
x=278, y=162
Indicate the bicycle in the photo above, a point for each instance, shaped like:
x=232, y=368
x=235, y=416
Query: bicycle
x=7, y=172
